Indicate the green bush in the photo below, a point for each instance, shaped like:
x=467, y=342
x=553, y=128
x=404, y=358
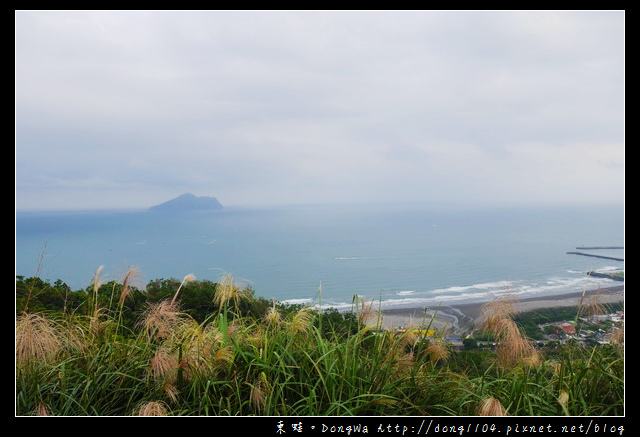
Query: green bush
x=88, y=353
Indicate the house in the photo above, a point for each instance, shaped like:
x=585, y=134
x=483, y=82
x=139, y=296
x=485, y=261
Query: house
x=617, y=316
x=568, y=329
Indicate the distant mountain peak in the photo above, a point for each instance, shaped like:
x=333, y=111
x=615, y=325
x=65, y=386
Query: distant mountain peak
x=188, y=202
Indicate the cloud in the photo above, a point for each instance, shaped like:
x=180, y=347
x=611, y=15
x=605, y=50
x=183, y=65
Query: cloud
x=298, y=106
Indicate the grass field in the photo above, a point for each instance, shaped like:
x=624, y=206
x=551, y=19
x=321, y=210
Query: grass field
x=295, y=363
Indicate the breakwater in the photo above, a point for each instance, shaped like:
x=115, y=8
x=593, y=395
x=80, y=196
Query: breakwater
x=596, y=256
x=613, y=276
x=598, y=247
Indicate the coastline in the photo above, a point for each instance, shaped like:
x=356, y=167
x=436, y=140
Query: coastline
x=455, y=318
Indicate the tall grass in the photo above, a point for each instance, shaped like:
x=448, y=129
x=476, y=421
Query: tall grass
x=292, y=363
x=577, y=380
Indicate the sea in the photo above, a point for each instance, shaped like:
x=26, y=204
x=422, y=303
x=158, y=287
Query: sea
x=396, y=255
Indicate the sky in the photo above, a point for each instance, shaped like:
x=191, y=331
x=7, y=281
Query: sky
x=127, y=109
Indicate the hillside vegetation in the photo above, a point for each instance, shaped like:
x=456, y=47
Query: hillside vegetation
x=189, y=347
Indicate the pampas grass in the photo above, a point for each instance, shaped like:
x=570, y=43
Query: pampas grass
x=259, y=393
x=437, y=352
x=163, y=365
x=513, y=348
x=273, y=316
x=42, y=410
x=160, y=318
x=129, y=277
x=591, y=305
x=228, y=291
x=364, y=310
x=288, y=361
x=190, y=277
x=563, y=400
x=301, y=321
x=490, y=407
x=152, y=408
x=96, y=283
x=38, y=339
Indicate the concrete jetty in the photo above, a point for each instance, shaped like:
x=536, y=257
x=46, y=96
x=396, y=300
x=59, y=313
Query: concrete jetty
x=596, y=256
x=615, y=277
x=598, y=247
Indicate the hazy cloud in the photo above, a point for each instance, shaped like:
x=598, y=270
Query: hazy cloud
x=127, y=108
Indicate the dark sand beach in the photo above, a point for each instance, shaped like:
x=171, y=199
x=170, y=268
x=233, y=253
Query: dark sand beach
x=456, y=318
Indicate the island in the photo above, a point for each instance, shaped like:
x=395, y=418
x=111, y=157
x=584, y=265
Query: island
x=188, y=202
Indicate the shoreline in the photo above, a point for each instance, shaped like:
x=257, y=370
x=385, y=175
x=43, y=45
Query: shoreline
x=457, y=317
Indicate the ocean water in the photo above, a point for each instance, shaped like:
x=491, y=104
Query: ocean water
x=399, y=256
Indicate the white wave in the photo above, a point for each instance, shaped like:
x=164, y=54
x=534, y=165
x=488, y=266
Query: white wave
x=487, y=291
x=480, y=292
x=480, y=286
x=303, y=301
x=610, y=269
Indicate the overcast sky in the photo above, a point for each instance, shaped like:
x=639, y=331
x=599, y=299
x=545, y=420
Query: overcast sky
x=131, y=108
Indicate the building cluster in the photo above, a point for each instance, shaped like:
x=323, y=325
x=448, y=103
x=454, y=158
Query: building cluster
x=598, y=328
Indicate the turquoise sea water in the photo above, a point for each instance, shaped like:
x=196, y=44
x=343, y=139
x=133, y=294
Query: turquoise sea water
x=410, y=255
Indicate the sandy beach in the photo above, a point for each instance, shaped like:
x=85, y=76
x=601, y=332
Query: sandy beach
x=456, y=318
